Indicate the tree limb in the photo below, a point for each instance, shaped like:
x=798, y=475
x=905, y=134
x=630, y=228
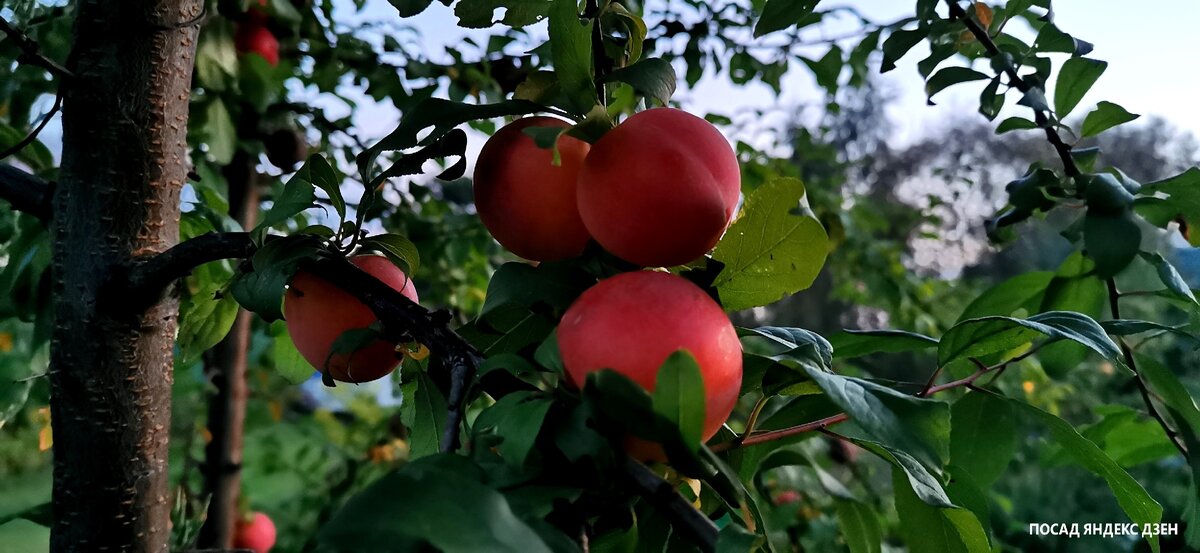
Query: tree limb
x=25, y=191
x=1040, y=117
x=684, y=518
x=30, y=53
x=1114, y=305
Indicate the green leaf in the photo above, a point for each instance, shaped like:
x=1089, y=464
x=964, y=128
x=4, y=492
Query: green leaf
x=916, y=426
x=1074, y=80
x=1022, y=291
x=795, y=347
x=296, y=197
x=775, y=248
x=923, y=483
x=653, y=77
x=1111, y=241
x=781, y=14
x=1015, y=124
x=261, y=290
x=219, y=131
x=477, y=14
x=988, y=335
x=1182, y=201
x=440, y=503
x=317, y=172
x=423, y=411
x=951, y=76
x=517, y=418
x=827, y=69
x=409, y=8
x=398, y=248
x=23, y=536
x=983, y=436
x=1170, y=276
x=1182, y=408
x=571, y=46
x=443, y=115
x=1129, y=327
x=848, y=344
x=285, y=358
x=1106, y=116
x=1035, y=99
x=930, y=529
x=549, y=284
x=735, y=539
x=897, y=44
x=216, y=56
x=679, y=395
x=205, y=317
x=1133, y=498
x=859, y=524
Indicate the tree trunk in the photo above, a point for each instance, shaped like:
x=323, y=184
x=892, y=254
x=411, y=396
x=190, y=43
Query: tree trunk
x=125, y=117
x=226, y=367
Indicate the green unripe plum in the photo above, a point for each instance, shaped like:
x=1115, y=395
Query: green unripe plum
x=660, y=188
x=318, y=312
x=524, y=199
x=632, y=322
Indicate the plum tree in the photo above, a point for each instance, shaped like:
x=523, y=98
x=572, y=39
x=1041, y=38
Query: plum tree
x=660, y=188
x=256, y=533
x=633, y=321
x=318, y=312
x=526, y=200
x=253, y=37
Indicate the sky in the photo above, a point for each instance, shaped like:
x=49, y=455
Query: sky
x=1145, y=46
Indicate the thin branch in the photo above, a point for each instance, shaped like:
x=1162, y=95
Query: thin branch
x=31, y=53
x=26, y=192
x=1114, y=304
x=929, y=383
x=1015, y=80
x=826, y=422
x=685, y=519
x=29, y=138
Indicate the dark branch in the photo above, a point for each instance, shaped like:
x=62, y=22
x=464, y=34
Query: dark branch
x=1114, y=305
x=30, y=53
x=25, y=192
x=1040, y=117
x=684, y=518
x=29, y=138
x=149, y=278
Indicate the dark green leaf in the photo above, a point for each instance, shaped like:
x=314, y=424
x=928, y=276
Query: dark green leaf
x=409, y=8
x=775, y=248
x=1074, y=80
x=781, y=14
x=827, y=69
x=317, y=172
x=931, y=529
x=205, y=317
x=1169, y=276
x=1111, y=241
x=924, y=484
x=653, y=77
x=1106, y=116
x=399, y=249
x=988, y=335
x=517, y=418
x=296, y=197
x=983, y=436
x=286, y=359
x=795, y=346
x=1034, y=98
x=735, y=539
x=424, y=412
x=899, y=43
x=918, y=427
x=1004, y=299
x=848, y=344
x=679, y=395
x=448, y=508
x=1014, y=124
x=951, y=76
x=477, y=14
x=550, y=284
x=859, y=524
x=1182, y=201
x=571, y=46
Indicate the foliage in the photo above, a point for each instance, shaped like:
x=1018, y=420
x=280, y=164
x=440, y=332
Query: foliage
x=996, y=385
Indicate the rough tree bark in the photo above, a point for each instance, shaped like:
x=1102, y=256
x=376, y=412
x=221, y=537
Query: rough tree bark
x=226, y=367
x=125, y=117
